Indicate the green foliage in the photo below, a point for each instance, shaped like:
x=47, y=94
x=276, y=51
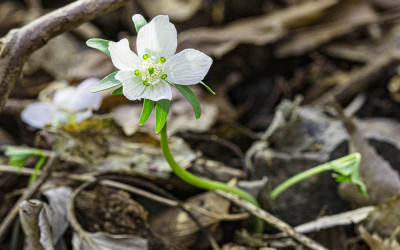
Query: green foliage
x=162, y=110
x=19, y=156
x=108, y=82
x=118, y=91
x=347, y=169
x=139, y=21
x=99, y=44
x=208, y=88
x=148, y=106
x=191, y=97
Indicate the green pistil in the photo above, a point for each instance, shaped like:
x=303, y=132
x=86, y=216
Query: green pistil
x=151, y=70
x=163, y=76
x=145, y=56
x=146, y=83
x=137, y=72
x=162, y=60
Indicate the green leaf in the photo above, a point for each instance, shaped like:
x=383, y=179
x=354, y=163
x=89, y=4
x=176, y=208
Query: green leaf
x=208, y=88
x=108, y=82
x=148, y=106
x=162, y=109
x=347, y=169
x=118, y=91
x=99, y=44
x=139, y=21
x=191, y=97
x=17, y=151
x=18, y=156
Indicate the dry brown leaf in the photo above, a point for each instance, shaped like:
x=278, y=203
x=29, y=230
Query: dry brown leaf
x=187, y=8
x=342, y=19
x=365, y=51
x=254, y=30
x=384, y=220
x=360, y=79
x=385, y=4
x=54, y=60
x=377, y=243
x=176, y=225
x=90, y=63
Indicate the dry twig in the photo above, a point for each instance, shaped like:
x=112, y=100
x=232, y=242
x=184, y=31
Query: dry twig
x=346, y=218
x=272, y=220
x=8, y=220
x=361, y=79
x=20, y=43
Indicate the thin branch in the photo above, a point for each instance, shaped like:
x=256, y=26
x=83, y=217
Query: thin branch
x=7, y=222
x=346, y=218
x=20, y=43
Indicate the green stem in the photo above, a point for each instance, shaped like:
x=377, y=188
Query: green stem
x=202, y=182
x=198, y=181
x=38, y=166
x=297, y=178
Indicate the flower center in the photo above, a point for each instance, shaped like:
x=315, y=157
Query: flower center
x=151, y=71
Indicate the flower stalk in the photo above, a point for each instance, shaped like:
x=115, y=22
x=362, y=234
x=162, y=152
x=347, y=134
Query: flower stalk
x=204, y=183
x=198, y=181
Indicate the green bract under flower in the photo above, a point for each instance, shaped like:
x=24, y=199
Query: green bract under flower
x=147, y=75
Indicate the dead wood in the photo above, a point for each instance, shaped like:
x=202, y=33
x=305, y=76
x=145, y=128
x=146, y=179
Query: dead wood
x=20, y=43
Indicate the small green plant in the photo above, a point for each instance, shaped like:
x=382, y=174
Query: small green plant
x=19, y=156
x=346, y=169
x=150, y=75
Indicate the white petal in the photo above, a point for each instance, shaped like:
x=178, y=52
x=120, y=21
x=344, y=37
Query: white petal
x=158, y=91
x=157, y=38
x=59, y=117
x=62, y=97
x=132, y=85
x=38, y=114
x=81, y=116
x=83, y=98
x=122, y=56
x=187, y=67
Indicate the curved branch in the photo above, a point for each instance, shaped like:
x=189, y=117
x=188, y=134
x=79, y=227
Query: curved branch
x=20, y=43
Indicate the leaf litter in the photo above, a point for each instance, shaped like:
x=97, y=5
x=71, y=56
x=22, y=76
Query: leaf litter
x=263, y=54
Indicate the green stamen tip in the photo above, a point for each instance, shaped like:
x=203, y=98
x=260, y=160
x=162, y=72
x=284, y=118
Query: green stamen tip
x=163, y=76
x=162, y=60
x=145, y=56
x=137, y=72
x=146, y=83
x=151, y=70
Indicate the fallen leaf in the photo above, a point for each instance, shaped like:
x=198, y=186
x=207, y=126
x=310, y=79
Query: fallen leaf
x=186, y=8
x=253, y=30
x=377, y=243
x=384, y=220
x=43, y=224
x=176, y=225
x=342, y=19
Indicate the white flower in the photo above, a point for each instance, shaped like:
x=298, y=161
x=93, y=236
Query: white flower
x=71, y=102
x=145, y=76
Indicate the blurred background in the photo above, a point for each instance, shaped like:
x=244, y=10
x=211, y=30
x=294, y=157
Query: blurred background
x=279, y=62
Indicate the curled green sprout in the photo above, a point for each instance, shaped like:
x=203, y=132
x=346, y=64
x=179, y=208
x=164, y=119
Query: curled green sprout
x=18, y=157
x=346, y=169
